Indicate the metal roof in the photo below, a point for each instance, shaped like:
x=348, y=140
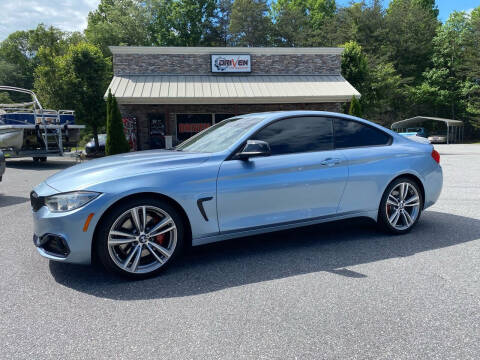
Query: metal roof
x=418, y=119
x=246, y=89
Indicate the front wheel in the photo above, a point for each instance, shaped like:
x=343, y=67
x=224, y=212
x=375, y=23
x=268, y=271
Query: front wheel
x=140, y=238
x=401, y=206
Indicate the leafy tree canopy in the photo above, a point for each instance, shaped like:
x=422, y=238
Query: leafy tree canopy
x=249, y=23
x=76, y=80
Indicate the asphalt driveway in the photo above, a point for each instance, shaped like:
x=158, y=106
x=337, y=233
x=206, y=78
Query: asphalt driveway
x=335, y=291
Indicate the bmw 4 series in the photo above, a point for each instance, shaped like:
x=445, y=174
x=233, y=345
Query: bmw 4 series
x=246, y=175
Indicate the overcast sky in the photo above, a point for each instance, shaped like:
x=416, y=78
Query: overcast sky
x=71, y=15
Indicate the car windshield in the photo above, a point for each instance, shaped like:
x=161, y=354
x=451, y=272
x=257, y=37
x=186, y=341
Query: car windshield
x=101, y=137
x=219, y=137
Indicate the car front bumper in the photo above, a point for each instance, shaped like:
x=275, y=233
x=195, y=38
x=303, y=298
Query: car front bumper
x=69, y=228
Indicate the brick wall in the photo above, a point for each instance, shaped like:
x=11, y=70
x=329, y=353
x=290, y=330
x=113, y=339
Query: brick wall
x=142, y=113
x=199, y=64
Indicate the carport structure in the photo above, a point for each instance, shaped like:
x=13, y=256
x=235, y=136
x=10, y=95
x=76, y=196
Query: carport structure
x=454, y=128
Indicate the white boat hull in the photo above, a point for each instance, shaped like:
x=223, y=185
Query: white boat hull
x=11, y=138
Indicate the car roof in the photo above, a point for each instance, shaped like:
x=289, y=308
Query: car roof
x=273, y=115
x=266, y=117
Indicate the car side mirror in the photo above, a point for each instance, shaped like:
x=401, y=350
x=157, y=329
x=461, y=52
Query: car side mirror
x=254, y=148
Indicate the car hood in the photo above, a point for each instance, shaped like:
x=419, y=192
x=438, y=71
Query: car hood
x=109, y=168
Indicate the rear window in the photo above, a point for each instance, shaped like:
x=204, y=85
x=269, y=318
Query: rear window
x=349, y=133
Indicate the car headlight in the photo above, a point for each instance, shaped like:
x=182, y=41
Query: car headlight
x=69, y=201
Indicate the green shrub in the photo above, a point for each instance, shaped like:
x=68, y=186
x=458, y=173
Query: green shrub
x=355, y=107
x=116, y=141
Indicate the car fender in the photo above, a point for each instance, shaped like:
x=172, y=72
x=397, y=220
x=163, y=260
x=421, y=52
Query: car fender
x=184, y=189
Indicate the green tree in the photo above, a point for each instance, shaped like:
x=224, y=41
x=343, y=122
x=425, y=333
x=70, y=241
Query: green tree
x=355, y=107
x=410, y=29
x=16, y=60
x=12, y=75
x=299, y=22
x=290, y=23
x=19, y=55
x=118, y=22
x=249, y=23
x=447, y=76
x=116, y=141
x=430, y=5
x=223, y=12
x=318, y=11
x=471, y=71
x=354, y=64
x=471, y=98
x=183, y=22
x=4, y=98
x=160, y=28
x=48, y=84
x=193, y=22
x=76, y=80
x=153, y=22
x=362, y=22
x=355, y=70
x=472, y=41
x=387, y=94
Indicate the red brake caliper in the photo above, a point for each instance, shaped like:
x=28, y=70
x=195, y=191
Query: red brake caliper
x=160, y=239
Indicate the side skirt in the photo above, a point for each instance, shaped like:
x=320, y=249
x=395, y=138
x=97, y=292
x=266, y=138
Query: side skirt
x=278, y=227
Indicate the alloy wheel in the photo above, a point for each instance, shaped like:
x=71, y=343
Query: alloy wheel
x=142, y=239
x=403, y=206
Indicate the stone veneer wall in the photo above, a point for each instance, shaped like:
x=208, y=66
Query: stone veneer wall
x=142, y=112
x=199, y=64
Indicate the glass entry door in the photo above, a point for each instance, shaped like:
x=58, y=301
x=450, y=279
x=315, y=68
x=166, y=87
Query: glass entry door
x=157, y=131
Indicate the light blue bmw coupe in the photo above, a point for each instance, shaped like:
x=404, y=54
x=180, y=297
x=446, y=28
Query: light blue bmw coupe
x=246, y=175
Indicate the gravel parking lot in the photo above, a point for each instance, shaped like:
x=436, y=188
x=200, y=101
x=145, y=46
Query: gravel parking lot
x=336, y=291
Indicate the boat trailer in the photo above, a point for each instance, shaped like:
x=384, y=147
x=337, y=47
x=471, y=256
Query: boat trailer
x=29, y=130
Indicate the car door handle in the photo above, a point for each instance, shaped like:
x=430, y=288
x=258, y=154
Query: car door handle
x=331, y=161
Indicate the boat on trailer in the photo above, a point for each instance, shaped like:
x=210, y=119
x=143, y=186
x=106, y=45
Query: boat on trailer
x=29, y=130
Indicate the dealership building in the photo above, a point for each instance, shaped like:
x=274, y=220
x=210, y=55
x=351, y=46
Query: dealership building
x=175, y=92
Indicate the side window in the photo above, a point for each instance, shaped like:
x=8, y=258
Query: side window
x=299, y=134
x=350, y=133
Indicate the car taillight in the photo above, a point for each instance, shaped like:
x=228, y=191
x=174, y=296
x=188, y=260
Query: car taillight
x=436, y=156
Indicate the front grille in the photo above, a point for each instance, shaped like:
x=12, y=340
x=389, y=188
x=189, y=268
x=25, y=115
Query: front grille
x=36, y=201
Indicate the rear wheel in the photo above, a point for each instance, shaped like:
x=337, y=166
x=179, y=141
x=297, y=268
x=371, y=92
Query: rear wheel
x=140, y=238
x=401, y=206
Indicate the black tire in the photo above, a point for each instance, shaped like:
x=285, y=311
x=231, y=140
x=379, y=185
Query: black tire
x=383, y=220
x=101, y=241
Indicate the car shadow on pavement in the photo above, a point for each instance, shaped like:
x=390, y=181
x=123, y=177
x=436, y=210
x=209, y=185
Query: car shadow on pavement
x=7, y=200
x=29, y=164
x=328, y=247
